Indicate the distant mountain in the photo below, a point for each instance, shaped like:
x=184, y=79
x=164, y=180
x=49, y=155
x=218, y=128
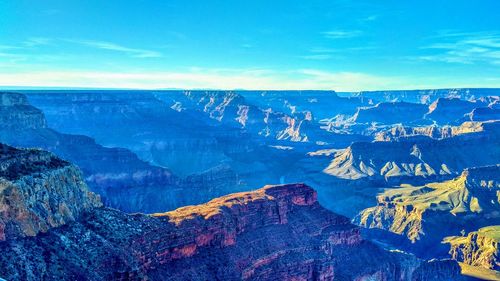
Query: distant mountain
x=416, y=159
x=118, y=175
x=451, y=111
x=427, y=96
x=204, y=242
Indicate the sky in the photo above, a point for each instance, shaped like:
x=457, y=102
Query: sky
x=199, y=44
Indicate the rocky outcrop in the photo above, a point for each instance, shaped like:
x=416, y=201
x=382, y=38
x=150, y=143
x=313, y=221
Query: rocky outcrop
x=426, y=214
x=417, y=159
x=478, y=248
x=289, y=234
x=16, y=112
x=39, y=191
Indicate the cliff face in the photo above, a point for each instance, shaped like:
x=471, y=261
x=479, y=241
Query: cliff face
x=478, y=248
x=122, y=179
x=16, y=112
x=417, y=159
x=38, y=192
x=426, y=214
x=436, y=132
x=290, y=236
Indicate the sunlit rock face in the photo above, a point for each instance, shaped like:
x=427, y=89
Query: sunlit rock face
x=39, y=191
x=424, y=215
x=478, y=248
x=290, y=235
x=436, y=132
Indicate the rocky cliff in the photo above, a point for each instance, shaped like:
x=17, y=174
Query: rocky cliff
x=15, y=112
x=290, y=236
x=39, y=191
x=478, y=248
x=426, y=214
x=434, y=131
x=417, y=159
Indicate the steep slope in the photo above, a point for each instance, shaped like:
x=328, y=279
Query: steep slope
x=426, y=214
x=303, y=241
x=451, y=111
x=39, y=191
x=417, y=159
x=479, y=248
x=118, y=175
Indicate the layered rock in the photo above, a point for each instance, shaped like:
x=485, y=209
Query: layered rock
x=39, y=191
x=417, y=159
x=426, y=214
x=478, y=248
x=433, y=131
x=16, y=112
x=290, y=236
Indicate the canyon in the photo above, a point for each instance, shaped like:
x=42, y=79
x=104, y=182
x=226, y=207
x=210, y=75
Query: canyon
x=161, y=184
x=209, y=241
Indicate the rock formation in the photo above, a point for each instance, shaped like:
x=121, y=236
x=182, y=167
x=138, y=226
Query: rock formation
x=39, y=191
x=478, y=248
x=426, y=214
x=417, y=159
x=273, y=233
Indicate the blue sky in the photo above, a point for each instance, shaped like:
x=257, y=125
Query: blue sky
x=336, y=44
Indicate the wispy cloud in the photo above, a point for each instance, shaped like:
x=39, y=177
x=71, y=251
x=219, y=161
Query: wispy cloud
x=137, y=53
x=464, y=48
x=341, y=34
x=37, y=41
x=318, y=57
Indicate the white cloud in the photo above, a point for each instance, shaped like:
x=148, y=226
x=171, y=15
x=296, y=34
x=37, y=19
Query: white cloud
x=341, y=34
x=465, y=48
x=138, y=53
